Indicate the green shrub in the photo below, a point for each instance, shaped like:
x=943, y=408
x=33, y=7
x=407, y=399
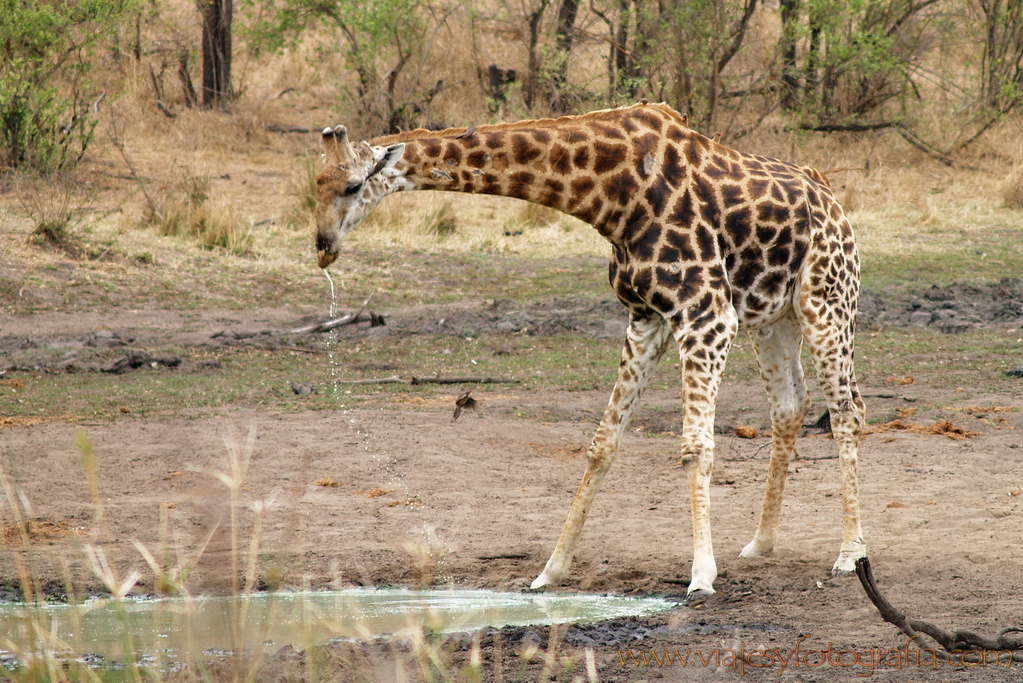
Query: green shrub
x=47, y=111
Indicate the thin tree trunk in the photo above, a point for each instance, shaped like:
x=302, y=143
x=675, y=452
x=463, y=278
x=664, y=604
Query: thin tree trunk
x=623, y=66
x=787, y=50
x=216, y=51
x=188, y=90
x=565, y=29
x=533, y=67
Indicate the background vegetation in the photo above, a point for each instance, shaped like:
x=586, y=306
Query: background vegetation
x=939, y=72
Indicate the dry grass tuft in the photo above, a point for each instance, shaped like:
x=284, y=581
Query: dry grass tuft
x=1012, y=189
x=32, y=420
x=441, y=222
x=302, y=187
x=35, y=530
x=186, y=211
x=50, y=205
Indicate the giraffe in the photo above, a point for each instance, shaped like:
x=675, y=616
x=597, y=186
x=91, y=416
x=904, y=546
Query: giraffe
x=705, y=241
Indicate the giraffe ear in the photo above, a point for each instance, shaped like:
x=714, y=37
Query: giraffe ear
x=388, y=158
x=393, y=154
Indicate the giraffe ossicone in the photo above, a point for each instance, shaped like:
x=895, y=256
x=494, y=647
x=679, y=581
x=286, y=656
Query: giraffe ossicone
x=705, y=240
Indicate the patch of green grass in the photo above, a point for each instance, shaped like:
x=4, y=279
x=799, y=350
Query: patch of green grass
x=955, y=256
x=974, y=360
x=260, y=378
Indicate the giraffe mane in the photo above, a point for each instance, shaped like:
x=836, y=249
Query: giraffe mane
x=422, y=133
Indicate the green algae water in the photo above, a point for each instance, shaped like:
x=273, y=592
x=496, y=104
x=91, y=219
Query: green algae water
x=177, y=629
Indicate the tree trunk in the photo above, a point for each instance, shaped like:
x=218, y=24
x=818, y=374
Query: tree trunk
x=565, y=28
x=787, y=51
x=216, y=51
x=623, y=64
x=533, y=66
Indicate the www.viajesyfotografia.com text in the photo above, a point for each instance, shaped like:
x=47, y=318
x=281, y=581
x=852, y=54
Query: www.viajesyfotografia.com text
x=865, y=662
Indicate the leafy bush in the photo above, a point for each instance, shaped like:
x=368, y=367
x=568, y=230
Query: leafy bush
x=46, y=107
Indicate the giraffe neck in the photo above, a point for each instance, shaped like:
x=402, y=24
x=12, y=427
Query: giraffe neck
x=593, y=167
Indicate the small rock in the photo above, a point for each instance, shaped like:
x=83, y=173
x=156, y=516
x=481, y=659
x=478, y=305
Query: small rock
x=938, y=294
x=130, y=361
x=920, y=318
x=303, y=388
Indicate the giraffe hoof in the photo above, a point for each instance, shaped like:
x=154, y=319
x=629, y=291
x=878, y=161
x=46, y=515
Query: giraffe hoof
x=540, y=582
x=695, y=598
x=757, y=548
x=846, y=563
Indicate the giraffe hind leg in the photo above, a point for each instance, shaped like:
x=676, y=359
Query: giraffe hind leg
x=830, y=343
x=646, y=341
x=777, y=348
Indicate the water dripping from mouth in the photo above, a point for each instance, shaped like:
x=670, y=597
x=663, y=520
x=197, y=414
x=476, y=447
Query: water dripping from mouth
x=385, y=463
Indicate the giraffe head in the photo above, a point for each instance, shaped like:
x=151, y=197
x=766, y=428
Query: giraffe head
x=354, y=179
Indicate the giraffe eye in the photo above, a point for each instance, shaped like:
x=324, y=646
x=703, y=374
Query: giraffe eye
x=353, y=187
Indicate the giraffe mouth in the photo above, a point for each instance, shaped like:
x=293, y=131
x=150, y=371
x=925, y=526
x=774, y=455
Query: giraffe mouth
x=325, y=258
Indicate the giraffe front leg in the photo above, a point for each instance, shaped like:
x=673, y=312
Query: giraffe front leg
x=645, y=343
x=703, y=352
x=698, y=462
x=601, y=454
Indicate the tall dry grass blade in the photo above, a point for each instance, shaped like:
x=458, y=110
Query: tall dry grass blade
x=259, y=507
x=591, y=666
x=474, y=669
x=30, y=589
x=550, y=658
x=498, y=657
x=96, y=558
x=88, y=463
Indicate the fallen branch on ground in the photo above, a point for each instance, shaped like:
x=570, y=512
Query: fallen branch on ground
x=395, y=379
x=463, y=380
x=959, y=642
x=328, y=325
x=324, y=326
x=285, y=128
x=904, y=132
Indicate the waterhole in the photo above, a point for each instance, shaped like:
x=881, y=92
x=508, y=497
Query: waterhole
x=178, y=629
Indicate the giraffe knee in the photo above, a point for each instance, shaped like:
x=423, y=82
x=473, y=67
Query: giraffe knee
x=848, y=418
x=599, y=457
x=792, y=414
x=695, y=454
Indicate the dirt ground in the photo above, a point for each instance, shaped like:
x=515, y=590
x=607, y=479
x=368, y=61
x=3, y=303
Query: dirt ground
x=378, y=493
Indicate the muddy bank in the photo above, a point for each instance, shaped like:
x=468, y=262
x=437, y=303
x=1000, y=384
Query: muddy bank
x=954, y=309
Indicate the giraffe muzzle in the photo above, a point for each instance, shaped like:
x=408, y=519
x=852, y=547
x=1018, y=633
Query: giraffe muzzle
x=325, y=258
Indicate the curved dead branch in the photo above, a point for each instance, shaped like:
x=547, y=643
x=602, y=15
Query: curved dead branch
x=959, y=642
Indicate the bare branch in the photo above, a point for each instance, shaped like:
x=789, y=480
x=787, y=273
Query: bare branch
x=959, y=642
x=396, y=379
